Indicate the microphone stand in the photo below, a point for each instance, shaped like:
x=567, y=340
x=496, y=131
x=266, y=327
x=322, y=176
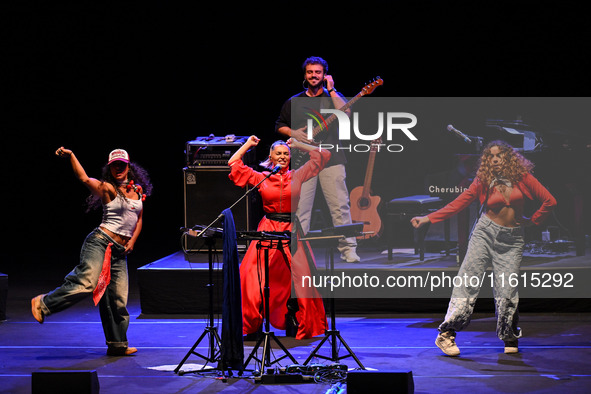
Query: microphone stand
x=274, y=171
x=467, y=138
x=211, y=330
x=478, y=143
x=215, y=342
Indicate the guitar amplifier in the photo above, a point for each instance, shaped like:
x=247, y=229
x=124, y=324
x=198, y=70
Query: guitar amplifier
x=214, y=151
x=207, y=192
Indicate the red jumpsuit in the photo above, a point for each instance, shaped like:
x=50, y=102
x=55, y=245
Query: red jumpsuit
x=279, y=193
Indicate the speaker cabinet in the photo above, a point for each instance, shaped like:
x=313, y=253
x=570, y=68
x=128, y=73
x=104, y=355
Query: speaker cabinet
x=65, y=381
x=209, y=191
x=380, y=382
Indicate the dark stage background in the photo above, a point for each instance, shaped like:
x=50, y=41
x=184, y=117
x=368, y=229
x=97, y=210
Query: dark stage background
x=149, y=76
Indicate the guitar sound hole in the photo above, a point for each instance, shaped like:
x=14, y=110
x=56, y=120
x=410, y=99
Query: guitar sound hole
x=363, y=203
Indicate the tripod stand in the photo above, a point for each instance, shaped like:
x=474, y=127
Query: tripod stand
x=214, y=340
x=332, y=335
x=267, y=335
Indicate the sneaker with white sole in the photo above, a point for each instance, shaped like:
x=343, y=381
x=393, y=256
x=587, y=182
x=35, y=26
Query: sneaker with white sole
x=511, y=347
x=446, y=341
x=350, y=257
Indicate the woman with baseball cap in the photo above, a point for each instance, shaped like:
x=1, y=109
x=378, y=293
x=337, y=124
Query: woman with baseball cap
x=102, y=270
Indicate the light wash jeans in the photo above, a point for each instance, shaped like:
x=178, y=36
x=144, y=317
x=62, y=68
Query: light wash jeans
x=503, y=248
x=82, y=280
x=334, y=188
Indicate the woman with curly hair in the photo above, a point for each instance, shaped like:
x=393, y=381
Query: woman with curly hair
x=502, y=183
x=102, y=270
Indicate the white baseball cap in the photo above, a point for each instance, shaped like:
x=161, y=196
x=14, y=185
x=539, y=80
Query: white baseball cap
x=118, y=155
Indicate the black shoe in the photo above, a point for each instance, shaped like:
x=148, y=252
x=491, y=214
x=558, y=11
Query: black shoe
x=512, y=346
x=291, y=325
x=291, y=322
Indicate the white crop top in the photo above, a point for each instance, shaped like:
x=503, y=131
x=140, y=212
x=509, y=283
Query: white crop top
x=121, y=215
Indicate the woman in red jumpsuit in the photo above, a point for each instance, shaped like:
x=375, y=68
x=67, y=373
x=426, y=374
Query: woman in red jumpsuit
x=279, y=194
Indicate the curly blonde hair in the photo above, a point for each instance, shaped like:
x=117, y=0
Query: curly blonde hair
x=513, y=167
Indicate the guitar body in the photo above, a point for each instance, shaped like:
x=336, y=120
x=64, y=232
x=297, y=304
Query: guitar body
x=364, y=209
x=364, y=206
x=319, y=132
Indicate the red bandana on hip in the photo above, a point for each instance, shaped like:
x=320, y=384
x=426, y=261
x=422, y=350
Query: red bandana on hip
x=104, y=277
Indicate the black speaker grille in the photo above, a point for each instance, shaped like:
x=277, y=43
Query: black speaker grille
x=209, y=191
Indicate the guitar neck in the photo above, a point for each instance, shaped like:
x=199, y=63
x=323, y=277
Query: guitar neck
x=367, y=89
x=331, y=118
x=369, y=173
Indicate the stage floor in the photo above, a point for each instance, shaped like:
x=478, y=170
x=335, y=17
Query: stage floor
x=555, y=352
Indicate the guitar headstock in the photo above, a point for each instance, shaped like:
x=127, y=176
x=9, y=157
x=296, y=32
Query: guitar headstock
x=374, y=144
x=370, y=87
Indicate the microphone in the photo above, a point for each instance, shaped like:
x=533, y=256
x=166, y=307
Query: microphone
x=276, y=169
x=459, y=134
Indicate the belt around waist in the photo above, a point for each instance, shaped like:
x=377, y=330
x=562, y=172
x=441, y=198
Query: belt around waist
x=279, y=216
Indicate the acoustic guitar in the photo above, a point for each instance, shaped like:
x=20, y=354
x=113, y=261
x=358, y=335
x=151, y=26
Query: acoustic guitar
x=364, y=206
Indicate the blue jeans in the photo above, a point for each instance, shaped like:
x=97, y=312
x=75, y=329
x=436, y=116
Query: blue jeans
x=82, y=280
x=503, y=248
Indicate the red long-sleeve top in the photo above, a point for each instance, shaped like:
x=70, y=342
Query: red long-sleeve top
x=281, y=190
x=528, y=187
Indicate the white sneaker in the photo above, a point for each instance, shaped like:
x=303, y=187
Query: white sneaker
x=511, y=347
x=350, y=257
x=446, y=341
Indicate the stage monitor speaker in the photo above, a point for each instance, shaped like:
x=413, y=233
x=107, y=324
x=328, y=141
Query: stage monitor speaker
x=364, y=381
x=65, y=381
x=208, y=191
